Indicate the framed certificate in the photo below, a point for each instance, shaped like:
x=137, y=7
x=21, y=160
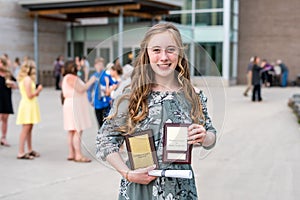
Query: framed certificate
x=175, y=144
x=141, y=149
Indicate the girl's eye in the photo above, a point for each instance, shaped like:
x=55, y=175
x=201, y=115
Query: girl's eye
x=171, y=50
x=156, y=50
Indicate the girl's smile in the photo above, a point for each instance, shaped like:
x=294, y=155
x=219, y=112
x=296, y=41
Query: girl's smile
x=163, y=54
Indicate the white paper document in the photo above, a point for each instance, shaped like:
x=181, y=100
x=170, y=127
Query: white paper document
x=172, y=173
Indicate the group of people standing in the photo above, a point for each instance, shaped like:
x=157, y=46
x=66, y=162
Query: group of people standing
x=76, y=94
x=261, y=72
x=160, y=92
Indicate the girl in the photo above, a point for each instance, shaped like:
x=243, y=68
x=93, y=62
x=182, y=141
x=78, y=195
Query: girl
x=160, y=92
x=29, y=111
x=75, y=110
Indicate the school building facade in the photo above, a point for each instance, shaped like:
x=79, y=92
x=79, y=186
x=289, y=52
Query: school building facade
x=220, y=35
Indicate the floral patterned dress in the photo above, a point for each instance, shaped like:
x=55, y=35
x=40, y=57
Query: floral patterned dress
x=171, y=107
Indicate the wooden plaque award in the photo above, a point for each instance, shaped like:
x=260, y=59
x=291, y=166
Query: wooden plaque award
x=141, y=149
x=175, y=144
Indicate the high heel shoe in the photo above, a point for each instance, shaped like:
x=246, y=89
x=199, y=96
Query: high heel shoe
x=4, y=143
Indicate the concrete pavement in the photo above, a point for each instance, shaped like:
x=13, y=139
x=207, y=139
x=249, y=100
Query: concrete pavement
x=256, y=156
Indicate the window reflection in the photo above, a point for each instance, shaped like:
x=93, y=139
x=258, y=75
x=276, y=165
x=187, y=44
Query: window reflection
x=185, y=19
x=209, y=19
x=206, y=4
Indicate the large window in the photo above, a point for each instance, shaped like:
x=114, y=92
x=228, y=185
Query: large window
x=208, y=59
x=209, y=19
x=91, y=55
x=185, y=19
x=78, y=49
x=203, y=4
x=187, y=5
x=206, y=13
x=207, y=4
x=105, y=53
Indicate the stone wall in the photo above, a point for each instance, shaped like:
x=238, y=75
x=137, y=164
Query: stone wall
x=17, y=35
x=269, y=29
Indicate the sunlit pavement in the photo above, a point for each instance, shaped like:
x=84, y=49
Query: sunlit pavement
x=256, y=156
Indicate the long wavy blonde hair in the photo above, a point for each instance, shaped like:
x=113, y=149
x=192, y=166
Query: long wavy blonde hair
x=142, y=80
x=28, y=68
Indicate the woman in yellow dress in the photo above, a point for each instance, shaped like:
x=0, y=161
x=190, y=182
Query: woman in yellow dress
x=29, y=111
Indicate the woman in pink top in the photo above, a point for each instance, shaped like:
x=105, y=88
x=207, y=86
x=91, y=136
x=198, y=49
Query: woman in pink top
x=75, y=110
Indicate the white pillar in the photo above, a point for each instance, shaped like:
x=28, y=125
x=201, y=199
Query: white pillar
x=226, y=41
x=120, y=38
x=234, y=59
x=36, y=45
x=235, y=45
x=192, y=45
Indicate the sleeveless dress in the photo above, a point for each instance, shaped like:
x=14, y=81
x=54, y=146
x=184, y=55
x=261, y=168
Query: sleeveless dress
x=5, y=98
x=29, y=110
x=171, y=107
x=76, y=106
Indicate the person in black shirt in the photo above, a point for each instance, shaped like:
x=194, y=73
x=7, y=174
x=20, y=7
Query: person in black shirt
x=256, y=79
x=7, y=83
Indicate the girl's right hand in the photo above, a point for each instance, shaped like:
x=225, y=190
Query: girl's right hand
x=141, y=176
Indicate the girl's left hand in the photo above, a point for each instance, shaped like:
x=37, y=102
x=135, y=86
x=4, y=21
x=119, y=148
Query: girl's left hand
x=196, y=134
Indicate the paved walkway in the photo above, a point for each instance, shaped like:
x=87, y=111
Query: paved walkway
x=256, y=157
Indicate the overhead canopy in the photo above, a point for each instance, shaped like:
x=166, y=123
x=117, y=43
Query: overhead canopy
x=70, y=10
x=74, y=10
